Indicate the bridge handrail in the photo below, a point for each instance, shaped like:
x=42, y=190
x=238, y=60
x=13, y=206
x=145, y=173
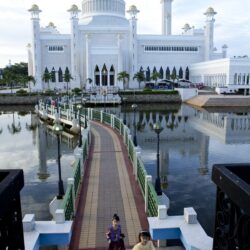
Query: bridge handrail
x=138, y=165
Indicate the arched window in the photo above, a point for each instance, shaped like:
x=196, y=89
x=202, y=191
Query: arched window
x=53, y=75
x=235, y=78
x=112, y=76
x=154, y=70
x=161, y=73
x=239, y=79
x=247, y=79
x=97, y=76
x=187, y=73
x=104, y=75
x=167, y=73
x=180, y=73
x=173, y=76
x=60, y=75
x=141, y=69
x=148, y=74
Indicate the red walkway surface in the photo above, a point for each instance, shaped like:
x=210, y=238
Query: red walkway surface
x=108, y=187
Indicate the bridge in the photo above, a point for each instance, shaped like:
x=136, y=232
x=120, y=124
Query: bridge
x=108, y=177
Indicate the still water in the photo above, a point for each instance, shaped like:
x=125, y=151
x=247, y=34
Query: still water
x=190, y=143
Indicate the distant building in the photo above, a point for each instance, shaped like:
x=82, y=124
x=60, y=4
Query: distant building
x=103, y=42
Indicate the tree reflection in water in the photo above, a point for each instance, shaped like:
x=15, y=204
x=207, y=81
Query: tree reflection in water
x=14, y=128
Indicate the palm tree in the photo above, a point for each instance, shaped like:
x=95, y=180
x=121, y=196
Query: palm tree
x=67, y=77
x=155, y=76
x=140, y=77
x=31, y=79
x=123, y=76
x=47, y=76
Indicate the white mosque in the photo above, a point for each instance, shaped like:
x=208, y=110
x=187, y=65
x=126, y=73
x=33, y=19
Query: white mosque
x=103, y=42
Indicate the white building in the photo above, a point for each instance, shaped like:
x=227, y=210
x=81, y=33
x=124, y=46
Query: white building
x=103, y=42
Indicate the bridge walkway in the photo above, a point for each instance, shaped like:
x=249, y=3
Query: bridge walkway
x=108, y=187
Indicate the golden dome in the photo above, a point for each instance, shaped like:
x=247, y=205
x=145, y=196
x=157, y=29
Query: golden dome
x=51, y=24
x=186, y=27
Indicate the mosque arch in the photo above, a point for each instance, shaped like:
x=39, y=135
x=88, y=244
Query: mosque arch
x=180, y=73
x=112, y=76
x=154, y=70
x=148, y=74
x=60, y=75
x=235, y=78
x=187, y=73
x=97, y=76
x=53, y=75
x=104, y=75
x=173, y=75
x=161, y=73
x=167, y=73
x=239, y=78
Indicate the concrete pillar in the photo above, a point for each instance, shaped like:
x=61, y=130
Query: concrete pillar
x=148, y=179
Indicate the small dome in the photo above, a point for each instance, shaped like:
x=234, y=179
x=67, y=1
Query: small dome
x=133, y=10
x=35, y=8
x=210, y=11
x=51, y=24
x=186, y=27
x=224, y=46
x=74, y=8
x=132, y=7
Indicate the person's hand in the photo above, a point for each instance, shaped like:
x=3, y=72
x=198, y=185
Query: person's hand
x=109, y=241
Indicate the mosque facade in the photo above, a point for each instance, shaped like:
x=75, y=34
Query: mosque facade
x=103, y=42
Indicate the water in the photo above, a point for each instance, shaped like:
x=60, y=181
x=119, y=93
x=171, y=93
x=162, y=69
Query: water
x=28, y=144
x=190, y=143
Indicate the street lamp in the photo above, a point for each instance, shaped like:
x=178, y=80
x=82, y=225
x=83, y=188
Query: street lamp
x=85, y=113
x=134, y=107
x=79, y=107
x=104, y=96
x=157, y=128
x=124, y=117
x=57, y=128
x=75, y=106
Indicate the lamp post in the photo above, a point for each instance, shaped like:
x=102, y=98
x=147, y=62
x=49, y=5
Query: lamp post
x=104, y=95
x=75, y=106
x=79, y=107
x=85, y=113
x=157, y=128
x=57, y=128
x=124, y=117
x=134, y=107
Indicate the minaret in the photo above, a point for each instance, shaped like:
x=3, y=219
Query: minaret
x=74, y=43
x=209, y=33
x=224, y=51
x=30, y=61
x=166, y=17
x=133, y=39
x=36, y=45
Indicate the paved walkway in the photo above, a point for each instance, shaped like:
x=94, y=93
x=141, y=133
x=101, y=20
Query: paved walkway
x=109, y=187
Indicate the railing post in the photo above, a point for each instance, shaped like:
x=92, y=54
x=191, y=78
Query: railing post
x=101, y=117
x=129, y=138
x=124, y=133
x=120, y=126
x=148, y=179
x=112, y=121
x=71, y=181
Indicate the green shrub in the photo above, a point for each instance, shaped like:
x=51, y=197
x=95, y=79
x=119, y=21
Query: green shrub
x=147, y=89
x=76, y=91
x=21, y=92
x=150, y=92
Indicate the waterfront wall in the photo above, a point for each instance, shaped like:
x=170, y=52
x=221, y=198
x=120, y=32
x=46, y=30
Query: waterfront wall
x=152, y=98
x=19, y=100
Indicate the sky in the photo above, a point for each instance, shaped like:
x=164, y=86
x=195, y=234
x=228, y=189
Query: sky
x=232, y=25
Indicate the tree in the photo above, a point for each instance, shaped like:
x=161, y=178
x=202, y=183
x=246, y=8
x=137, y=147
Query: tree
x=123, y=76
x=67, y=78
x=29, y=80
x=155, y=76
x=47, y=76
x=140, y=77
x=88, y=80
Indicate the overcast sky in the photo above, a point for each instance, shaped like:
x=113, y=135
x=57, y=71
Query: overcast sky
x=232, y=26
